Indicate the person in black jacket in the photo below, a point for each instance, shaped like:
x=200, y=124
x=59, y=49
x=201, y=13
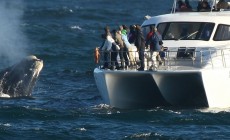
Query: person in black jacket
x=203, y=6
x=140, y=44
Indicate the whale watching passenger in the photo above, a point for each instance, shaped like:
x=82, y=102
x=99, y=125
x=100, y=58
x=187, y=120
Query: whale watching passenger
x=114, y=52
x=140, y=44
x=106, y=47
x=203, y=6
x=123, y=53
x=154, y=40
x=222, y=4
x=132, y=38
x=183, y=6
x=132, y=34
x=128, y=46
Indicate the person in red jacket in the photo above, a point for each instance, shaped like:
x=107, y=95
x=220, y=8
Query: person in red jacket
x=154, y=40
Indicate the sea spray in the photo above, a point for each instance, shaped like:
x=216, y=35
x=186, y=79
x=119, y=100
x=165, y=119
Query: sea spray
x=13, y=42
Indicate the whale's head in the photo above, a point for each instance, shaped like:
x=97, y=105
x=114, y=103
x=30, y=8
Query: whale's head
x=20, y=79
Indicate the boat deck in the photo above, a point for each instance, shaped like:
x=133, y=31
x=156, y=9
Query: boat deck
x=182, y=59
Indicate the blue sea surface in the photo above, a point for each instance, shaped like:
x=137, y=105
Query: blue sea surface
x=66, y=103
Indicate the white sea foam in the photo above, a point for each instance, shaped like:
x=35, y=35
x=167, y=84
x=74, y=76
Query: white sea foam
x=82, y=129
x=214, y=110
x=141, y=135
x=2, y=95
x=76, y=27
x=7, y=124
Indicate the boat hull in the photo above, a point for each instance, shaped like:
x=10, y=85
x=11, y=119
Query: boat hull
x=146, y=89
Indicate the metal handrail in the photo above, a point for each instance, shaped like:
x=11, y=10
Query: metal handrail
x=209, y=58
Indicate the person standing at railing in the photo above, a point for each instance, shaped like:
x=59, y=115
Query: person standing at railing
x=140, y=44
x=131, y=39
x=154, y=40
x=123, y=50
x=148, y=42
x=128, y=46
x=106, y=47
x=103, y=53
x=122, y=53
x=132, y=34
x=114, y=52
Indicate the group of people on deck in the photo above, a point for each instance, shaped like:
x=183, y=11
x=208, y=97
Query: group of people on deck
x=130, y=44
x=202, y=6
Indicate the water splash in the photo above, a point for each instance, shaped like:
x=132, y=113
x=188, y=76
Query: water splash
x=3, y=95
x=12, y=40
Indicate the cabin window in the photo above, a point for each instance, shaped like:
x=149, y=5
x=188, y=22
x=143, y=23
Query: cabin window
x=186, y=30
x=161, y=28
x=222, y=33
x=146, y=29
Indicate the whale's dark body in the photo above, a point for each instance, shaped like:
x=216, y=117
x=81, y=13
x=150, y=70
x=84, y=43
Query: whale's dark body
x=19, y=79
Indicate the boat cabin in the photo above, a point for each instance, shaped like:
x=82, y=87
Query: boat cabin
x=192, y=29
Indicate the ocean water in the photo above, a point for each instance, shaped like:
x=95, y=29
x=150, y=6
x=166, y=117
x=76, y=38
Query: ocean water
x=66, y=103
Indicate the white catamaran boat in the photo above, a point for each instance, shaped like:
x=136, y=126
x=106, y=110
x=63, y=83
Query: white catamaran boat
x=196, y=71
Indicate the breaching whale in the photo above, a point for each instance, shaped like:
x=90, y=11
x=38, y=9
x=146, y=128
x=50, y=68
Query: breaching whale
x=19, y=80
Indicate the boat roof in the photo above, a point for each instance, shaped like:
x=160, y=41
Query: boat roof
x=215, y=17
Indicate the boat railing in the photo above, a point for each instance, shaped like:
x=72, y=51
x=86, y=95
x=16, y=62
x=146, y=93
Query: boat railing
x=184, y=58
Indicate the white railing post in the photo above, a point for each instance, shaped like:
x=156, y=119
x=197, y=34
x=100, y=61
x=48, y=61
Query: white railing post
x=201, y=58
x=223, y=59
x=211, y=58
x=174, y=7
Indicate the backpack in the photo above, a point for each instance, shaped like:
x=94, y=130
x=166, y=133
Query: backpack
x=160, y=42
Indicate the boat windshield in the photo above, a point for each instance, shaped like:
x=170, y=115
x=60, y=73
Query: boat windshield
x=186, y=30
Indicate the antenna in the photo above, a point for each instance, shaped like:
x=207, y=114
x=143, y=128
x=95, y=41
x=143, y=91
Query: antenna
x=174, y=7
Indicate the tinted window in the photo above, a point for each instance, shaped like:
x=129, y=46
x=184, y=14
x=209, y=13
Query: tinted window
x=186, y=30
x=222, y=33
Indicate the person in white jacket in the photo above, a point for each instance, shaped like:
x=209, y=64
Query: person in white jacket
x=105, y=47
x=110, y=49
